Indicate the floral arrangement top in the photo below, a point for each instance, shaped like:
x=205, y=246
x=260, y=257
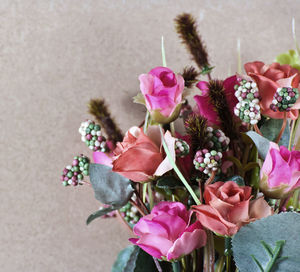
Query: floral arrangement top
x=220, y=195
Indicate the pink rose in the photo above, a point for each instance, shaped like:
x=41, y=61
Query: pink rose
x=268, y=79
x=162, y=90
x=140, y=157
x=228, y=208
x=165, y=233
x=280, y=173
x=204, y=106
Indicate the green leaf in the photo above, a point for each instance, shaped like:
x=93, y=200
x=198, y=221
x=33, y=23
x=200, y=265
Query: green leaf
x=262, y=144
x=271, y=128
x=237, y=179
x=291, y=57
x=99, y=213
x=110, y=188
x=206, y=70
x=247, y=242
x=169, y=183
x=134, y=259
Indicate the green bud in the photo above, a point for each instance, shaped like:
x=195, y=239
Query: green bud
x=70, y=174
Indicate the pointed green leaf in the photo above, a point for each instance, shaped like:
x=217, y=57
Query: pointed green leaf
x=262, y=144
x=99, y=213
x=110, y=188
x=169, y=183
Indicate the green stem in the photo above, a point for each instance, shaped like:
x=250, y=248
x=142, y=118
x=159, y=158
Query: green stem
x=144, y=192
x=239, y=61
x=146, y=121
x=176, y=266
x=179, y=174
x=150, y=194
x=220, y=265
x=294, y=132
x=172, y=127
x=296, y=199
x=194, y=256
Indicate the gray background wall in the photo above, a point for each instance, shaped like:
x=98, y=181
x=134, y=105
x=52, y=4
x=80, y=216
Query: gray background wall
x=56, y=55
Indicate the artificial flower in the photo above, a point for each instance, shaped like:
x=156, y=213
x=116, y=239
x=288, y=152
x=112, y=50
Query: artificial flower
x=140, y=157
x=162, y=90
x=206, y=109
x=166, y=233
x=268, y=79
x=280, y=173
x=228, y=208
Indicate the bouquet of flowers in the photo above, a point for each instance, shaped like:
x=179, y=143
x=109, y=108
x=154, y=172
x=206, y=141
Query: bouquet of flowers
x=222, y=193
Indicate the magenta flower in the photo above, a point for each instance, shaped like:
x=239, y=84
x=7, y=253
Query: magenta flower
x=162, y=90
x=280, y=173
x=166, y=234
x=206, y=109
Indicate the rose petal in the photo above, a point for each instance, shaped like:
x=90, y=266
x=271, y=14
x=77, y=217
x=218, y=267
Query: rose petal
x=102, y=158
x=259, y=208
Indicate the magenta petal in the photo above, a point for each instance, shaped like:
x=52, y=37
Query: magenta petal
x=203, y=86
x=281, y=172
x=173, y=208
x=146, y=225
x=150, y=250
x=187, y=243
x=102, y=158
x=206, y=109
x=158, y=70
x=268, y=164
x=146, y=83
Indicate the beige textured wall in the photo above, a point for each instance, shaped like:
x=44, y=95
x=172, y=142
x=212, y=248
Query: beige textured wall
x=54, y=56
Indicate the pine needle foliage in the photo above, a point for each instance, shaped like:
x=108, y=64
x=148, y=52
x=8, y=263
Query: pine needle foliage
x=98, y=108
x=187, y=29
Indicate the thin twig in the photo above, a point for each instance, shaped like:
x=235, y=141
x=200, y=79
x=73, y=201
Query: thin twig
x=211, y=178
x=257, y=130
x=121, y=218
x=157, y=264
x=142, y=203
x=133, y=203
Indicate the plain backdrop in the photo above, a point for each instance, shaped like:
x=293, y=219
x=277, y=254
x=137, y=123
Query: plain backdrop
x=56, y=55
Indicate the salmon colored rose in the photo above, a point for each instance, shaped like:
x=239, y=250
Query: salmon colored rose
x=167, y=233
x=162, y=90
x=280, y=173
x=228, y=208
x=139, y=157
x=268, y=79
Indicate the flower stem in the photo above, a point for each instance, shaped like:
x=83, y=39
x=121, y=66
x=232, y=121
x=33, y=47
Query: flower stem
x=121, y=218
x=172, y=127
x=296, y=199
x=133, y=203
x=163, y=53
x=220, y=265
x=291, y=135
x=179, y=174
x=257, y=130
x=157, y=264
x=282, y=128
x=146, y=121
x=150, y=194
x=176, y=266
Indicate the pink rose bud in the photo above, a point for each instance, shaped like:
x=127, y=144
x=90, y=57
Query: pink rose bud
x=166, y=234
x=280, y=173
x=162, y=90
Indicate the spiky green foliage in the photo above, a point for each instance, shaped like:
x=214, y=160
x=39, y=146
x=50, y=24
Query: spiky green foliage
x=190, y=75
x=196, y=128
x=98, y=108
x=218, y=99
x=187, y=29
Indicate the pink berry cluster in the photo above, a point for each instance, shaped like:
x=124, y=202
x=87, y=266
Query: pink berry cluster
x=74, y=174
x=284, y=99
x=207, y=161
x=92, y=136
x=217, y=139
x=181, y=148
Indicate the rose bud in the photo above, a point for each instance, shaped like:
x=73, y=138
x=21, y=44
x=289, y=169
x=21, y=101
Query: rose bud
x=162, y=90
x=280, y=173
x=166, y=233
x=228, y=208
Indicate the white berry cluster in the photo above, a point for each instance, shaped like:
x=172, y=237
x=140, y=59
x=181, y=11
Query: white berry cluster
x=217, y=139
x=91, y=134
x=247, y=109
x=181, y=148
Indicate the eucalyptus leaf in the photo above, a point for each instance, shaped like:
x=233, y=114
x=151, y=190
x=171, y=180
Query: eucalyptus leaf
x=134, y=259
x=271, y=128
x=262, y=144
x=237, y=179
x=270, y=230
x=169, y=183
x=99, y=213
x=110, y=188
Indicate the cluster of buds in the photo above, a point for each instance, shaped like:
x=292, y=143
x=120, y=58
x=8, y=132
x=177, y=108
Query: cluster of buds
x=247, y=109
x=181, y=148
x=284, y=99
x=74, y=174
x=91, y=134
x=217, y=140
x=207, y=161
x=130, y=213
